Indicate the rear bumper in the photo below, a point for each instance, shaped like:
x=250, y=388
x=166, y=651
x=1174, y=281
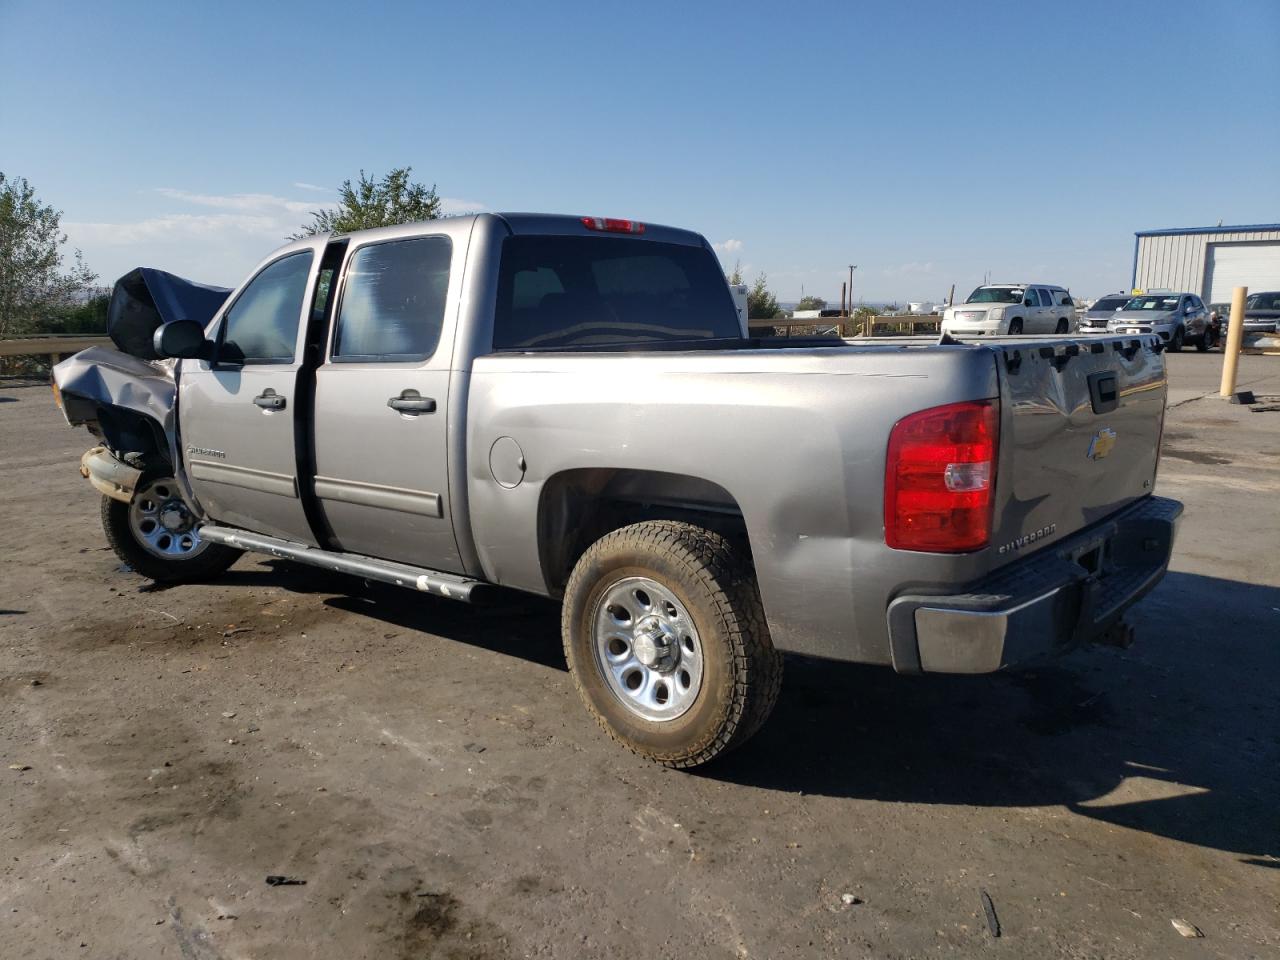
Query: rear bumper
x=1047, y=603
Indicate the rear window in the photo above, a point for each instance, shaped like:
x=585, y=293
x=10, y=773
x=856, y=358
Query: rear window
x=583, y=291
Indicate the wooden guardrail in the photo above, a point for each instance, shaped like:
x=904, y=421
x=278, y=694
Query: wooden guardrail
x=847, y=327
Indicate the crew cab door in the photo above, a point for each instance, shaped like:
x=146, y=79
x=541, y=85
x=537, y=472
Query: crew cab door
x=381, y=399
x=236, y=412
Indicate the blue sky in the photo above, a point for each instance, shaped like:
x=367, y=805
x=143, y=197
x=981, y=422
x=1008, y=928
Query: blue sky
x=928, y=143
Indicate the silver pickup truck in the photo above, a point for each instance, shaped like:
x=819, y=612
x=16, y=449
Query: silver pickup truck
x=568, y=406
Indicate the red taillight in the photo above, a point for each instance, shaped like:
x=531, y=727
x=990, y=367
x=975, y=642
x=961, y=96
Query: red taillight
x=938, y=478
x=610, y=225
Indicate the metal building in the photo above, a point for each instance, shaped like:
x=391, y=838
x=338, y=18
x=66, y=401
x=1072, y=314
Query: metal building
x=1208, y=261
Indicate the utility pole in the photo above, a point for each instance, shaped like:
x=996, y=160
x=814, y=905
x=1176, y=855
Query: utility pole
x=852, y=267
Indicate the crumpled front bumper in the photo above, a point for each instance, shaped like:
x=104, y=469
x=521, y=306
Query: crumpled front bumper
x=1050, y=602
x=108, y=475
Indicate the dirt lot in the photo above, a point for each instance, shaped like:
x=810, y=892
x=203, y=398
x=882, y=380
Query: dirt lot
x=427, y=769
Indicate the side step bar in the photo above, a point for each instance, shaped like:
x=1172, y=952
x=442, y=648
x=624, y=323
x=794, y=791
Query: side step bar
x=399, y=574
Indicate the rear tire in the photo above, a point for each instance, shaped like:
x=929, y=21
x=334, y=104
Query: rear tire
x=1015, y=328
x=1062, y=327
x=1206, y=341
x=666, y=640
x=155, y=535
x=1176, y=341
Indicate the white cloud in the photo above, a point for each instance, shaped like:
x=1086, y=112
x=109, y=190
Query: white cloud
x=238, y=201
x=217, y=238
x=450, y=206
x=301, y=185
x=218, y=244
x=727, y=246
x=174, y=226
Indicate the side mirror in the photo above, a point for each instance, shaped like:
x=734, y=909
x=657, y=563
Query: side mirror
x=182, y=340
x=1028, y=303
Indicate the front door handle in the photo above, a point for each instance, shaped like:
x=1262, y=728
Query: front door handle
x=268, y=399
x=410, y=401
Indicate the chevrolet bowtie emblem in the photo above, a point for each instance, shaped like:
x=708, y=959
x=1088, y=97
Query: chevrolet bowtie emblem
x=1102, y=443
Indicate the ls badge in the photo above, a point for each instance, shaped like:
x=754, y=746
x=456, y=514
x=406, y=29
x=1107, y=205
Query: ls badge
x=1102, y=443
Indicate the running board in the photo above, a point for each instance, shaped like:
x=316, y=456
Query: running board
x=400, y=574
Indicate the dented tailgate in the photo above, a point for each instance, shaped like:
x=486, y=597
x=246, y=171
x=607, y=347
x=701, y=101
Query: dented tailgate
x=1080, y=435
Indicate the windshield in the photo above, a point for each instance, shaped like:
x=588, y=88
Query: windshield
x=1108, y=304
x=574, y=291
x=996, y=295
x=1159, y=304
x=1263, y=301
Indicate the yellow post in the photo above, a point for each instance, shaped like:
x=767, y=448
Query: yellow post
x=1235, y=336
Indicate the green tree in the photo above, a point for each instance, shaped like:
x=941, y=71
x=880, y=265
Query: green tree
x=761, y=303
x=375, y=203
x=811, y=303
x=735, y=278
x=88, y=318
x=35, y=280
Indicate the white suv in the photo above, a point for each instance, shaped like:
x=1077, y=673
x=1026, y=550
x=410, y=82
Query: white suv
x=1011, y=308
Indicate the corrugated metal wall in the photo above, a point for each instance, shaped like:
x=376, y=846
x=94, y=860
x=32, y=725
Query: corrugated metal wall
x=1177, y=261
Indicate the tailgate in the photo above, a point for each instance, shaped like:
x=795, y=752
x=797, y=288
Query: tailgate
x=1080, y=435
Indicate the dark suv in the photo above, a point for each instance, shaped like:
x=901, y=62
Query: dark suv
x=1262, y=312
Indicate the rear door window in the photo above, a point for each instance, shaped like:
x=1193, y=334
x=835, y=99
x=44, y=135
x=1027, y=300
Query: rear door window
x=393, y=301
x=556, y=292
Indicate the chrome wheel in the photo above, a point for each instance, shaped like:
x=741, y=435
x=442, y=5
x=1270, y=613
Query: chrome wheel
x=647, y=649
x=161, y=523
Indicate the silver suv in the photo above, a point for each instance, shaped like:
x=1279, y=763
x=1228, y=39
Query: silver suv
x=1011, y=308
x=1179, y=318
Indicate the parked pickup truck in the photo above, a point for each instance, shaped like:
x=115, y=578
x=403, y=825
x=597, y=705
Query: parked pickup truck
x=568, y=406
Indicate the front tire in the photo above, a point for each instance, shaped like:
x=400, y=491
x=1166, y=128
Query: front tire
x=1176, y=341
x=1015, y=328
x=666, y=640
x=156, y=535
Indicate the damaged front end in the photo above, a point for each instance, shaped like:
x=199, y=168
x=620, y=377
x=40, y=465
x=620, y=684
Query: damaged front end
x=109, y=476
x=128, y=405
x=126, y=397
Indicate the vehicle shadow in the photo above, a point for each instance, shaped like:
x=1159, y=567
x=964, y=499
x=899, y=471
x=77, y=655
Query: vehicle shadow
x=1178, y=736
x=504, y=621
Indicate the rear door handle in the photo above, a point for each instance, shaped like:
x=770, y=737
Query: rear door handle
x=268, y=399
x=410, y=401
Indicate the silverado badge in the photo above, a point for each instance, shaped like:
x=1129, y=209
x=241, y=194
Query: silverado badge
x=1101, y=443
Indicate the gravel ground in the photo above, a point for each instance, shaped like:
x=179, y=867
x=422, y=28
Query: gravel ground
x=426, y=767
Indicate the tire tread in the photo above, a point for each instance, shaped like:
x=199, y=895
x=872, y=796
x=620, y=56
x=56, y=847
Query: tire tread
x=214, y=560
x=731, y=583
